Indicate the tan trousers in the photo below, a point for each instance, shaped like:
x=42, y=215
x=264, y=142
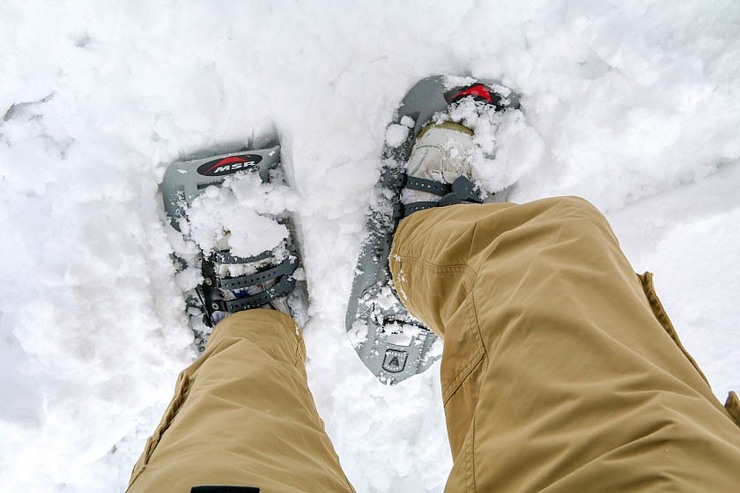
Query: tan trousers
x=561, y=372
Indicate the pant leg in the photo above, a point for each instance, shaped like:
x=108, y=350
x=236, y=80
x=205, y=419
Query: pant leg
x=557, y=374
x=243, y=415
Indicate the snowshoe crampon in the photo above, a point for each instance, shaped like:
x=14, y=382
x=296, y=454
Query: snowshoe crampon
x=228, y=282
x=389, y=340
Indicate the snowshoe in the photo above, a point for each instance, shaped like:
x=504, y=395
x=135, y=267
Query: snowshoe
x=389, y=340
x=227, y=281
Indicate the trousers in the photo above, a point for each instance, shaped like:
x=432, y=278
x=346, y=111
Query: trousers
x=561, y=372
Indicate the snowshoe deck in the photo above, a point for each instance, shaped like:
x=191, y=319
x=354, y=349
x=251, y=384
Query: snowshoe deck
x=389, y=340
x=187, y=179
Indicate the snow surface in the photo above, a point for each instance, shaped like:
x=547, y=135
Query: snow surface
x=633, y=105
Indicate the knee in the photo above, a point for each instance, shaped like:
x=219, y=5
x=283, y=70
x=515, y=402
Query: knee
x=577, y=207
x=573, y=203
x=577, y=213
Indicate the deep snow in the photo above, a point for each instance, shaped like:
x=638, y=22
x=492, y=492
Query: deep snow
x=633, y=105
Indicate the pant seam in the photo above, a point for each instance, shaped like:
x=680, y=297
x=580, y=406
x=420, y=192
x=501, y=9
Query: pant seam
x=472, y=276
x=475, y=359
x=471, y=457
x=298, y=353
x=648, y=287
x=182, y=389
x=440, y=268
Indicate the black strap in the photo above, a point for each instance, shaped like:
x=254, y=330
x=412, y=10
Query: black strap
x=225, y=257
x=211, y=290
x=287, y=266
x=424, y=185
x=461, y=191
x=281, y=288
x=402, y=180
x=404, y=210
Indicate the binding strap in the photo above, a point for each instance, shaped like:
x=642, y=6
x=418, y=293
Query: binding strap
x=281, y=288
x=210, y=291
x=225, y=257
x=461, y=191
x=287, y=267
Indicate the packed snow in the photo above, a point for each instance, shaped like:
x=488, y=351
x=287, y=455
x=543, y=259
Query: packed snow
x=632, y=105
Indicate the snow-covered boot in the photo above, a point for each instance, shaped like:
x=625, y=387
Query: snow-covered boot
x=438, y=169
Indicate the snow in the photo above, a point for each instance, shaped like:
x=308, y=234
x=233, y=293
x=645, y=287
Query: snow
x=633, y=105
x=396, y=134
x=242, y=207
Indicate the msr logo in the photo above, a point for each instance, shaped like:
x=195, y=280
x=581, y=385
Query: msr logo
x=231, y=164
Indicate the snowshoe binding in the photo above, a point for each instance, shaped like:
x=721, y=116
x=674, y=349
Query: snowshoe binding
x=389, y=340
x=234, y=249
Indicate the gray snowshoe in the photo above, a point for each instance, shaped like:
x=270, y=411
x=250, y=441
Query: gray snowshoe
x=389, y=340
x=270, y=278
